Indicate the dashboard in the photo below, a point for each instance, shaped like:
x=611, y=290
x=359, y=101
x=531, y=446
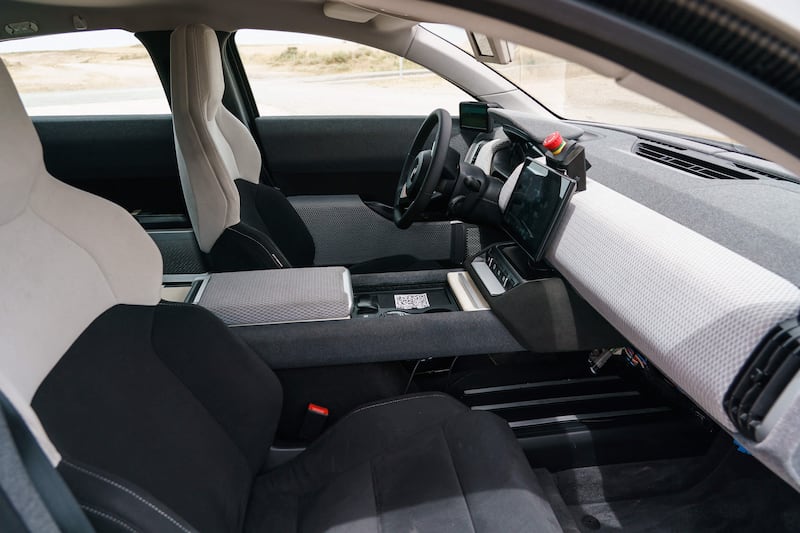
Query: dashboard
x=693, y=305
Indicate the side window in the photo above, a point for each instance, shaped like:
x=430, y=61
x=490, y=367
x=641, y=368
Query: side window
x=299, y=74
x=106, y=72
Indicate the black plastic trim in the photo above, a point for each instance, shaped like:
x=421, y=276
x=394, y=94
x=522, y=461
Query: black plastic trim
x=772, y=365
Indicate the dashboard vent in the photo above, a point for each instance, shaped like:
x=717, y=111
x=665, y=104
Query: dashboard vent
x=771, y=367
x=690, y=161
x=767, y=174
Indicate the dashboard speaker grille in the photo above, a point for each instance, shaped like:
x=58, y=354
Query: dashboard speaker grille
x=771, y=367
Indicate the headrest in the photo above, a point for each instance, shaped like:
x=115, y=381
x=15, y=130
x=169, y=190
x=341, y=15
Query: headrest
x=194, y=48
x=20, y=151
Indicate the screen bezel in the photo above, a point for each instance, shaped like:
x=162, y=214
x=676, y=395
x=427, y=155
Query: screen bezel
x=538, y=254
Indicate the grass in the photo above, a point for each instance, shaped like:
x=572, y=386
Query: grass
x=341, y=59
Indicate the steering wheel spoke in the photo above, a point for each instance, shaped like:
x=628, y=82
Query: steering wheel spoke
x=422, y=169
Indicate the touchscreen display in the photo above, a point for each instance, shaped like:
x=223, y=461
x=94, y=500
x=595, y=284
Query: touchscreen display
x=535, y=206
x=474, y=116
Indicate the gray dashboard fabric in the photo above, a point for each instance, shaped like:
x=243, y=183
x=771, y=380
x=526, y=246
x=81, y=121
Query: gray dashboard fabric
x=754, y=218
x=278, y=296
x=369, y=340
x=694, y=307
x=536, y=126
x=346, y=232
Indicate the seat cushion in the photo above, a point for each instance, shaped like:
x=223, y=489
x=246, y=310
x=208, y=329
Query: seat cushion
x=164, y=400
x=415, y=463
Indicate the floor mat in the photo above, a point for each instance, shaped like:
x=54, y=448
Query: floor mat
x=722, y=491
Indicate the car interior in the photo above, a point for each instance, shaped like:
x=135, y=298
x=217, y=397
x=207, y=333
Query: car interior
x=485, y=319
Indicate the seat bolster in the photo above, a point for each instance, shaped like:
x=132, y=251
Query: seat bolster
x=206, y=161
x=361, y=434
x=420, y=463
x=245, y=150
x=499, y=487
x=114, y=504
x=242, y=247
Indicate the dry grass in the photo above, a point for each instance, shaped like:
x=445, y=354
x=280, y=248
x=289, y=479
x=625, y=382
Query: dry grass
x=71, y=70
x=327, y=59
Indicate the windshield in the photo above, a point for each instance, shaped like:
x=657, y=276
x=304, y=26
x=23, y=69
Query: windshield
x=575, y=92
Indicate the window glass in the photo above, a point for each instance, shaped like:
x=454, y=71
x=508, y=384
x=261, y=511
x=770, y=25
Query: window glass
x=575, y=92
x=299, y=74
x=104, y=72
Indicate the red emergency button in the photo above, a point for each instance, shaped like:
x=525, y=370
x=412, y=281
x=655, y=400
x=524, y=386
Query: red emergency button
x=554, y=142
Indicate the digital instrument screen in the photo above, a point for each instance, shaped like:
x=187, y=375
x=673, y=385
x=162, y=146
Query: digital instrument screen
x=536, y=205
x=474, y=116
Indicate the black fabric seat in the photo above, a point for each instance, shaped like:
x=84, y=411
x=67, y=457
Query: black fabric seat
x=171, y=409
x=415, y=463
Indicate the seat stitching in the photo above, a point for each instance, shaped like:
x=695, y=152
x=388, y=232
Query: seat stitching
x=458, y=477
x=271, y=255
x=107, y=516
x=129, y=491
x=327, y=434
x=375, y=495
x=396, y=400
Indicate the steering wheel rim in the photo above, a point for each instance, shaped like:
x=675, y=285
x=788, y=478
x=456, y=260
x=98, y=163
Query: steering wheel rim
x=422, y=169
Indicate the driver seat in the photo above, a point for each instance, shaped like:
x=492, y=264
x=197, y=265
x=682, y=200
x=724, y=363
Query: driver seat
x=239, y=223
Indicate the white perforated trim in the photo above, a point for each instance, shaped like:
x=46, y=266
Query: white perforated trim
x=694, y=307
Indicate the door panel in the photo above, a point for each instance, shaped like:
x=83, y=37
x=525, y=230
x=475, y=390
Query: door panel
x=129, y=160
x=346, y=232
x=329, y=166
x=337, y=155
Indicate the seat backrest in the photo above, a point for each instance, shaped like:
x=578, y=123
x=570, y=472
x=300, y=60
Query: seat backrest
x=156, y=415
x=61, y=247
x=214, y=147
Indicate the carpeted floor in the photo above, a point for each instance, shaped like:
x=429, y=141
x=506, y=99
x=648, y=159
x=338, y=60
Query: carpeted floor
x=724, y=491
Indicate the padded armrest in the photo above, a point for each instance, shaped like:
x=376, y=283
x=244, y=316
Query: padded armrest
x=279, y=296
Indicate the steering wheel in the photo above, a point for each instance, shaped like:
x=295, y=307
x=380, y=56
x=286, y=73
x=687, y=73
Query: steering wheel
x=422, y=169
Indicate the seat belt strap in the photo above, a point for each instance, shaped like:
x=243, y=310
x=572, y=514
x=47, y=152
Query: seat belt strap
x=53, y=491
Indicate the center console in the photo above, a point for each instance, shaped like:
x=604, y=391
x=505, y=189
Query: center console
x=311, y=317
x=535, y=303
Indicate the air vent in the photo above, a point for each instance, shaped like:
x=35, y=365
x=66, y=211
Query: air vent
x=690, y=161
x=771, y=367
x=766, y=174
